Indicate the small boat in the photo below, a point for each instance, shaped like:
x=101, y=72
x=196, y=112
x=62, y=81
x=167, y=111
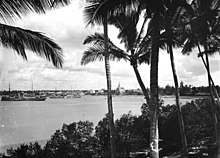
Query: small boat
x=74, y=96
x=56, y=96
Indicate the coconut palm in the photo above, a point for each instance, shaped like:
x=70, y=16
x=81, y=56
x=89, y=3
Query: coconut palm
x=153, y=8
x=203, y=30
x=128, y=35
x=136, y=43
x=153, y=11
x=170, y=22
x=97, y=12
x=21, y=39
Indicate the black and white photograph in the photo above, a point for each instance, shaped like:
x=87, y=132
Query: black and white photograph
x=109, y=78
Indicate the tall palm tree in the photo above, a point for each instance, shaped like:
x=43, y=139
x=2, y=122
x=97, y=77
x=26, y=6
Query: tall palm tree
x=136, y=43
x=154, y=8
x=21, y=39
x=98, y=12
x=170, y=21
x=203, y=30
x=128, y=35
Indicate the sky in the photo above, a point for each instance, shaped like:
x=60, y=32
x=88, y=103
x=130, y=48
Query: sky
x=67, y=27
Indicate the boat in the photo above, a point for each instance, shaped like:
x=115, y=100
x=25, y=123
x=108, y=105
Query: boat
x=20, y=96
x=16, y=98
x=74, y=96
x=56, y=96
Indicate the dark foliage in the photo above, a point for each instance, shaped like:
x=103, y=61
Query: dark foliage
x=74, y=140
x=26, y=151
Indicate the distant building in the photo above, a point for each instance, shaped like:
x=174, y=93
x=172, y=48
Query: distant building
x=92, y=92
x=100, y=91
x=119, y=90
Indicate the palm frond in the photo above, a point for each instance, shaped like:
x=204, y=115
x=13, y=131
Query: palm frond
x=98, y=39
x=189, y=45
x=93, y=54
x=92, y=15
x=144, y=46
x=97, y=52
x=118, y=54
x=127, y=27
x=96, y=10
x=21, y=39
x=145, y=58
x=140, y=34
x=94, y=39
x=11, y=9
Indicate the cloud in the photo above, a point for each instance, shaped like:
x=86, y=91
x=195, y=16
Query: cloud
x=67, y=27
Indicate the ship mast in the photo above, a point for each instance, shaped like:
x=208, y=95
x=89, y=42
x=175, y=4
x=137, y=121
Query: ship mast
x=32, y=87
x=9, y=87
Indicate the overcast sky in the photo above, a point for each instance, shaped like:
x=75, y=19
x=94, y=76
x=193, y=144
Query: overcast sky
x=67, y=27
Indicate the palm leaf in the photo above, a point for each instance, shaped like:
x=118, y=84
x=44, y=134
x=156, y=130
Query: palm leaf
x=21, y=39
x=92, y=15
x=145, y=58
x=189, y=45
x=93, y=54
x=97, y=52
x=94, y=39
x=98, y=39
x=11, y=9
x=127, y=26
x=96, y=10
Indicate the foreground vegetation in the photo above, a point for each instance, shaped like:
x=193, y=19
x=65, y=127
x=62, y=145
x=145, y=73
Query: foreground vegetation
x=83, y=140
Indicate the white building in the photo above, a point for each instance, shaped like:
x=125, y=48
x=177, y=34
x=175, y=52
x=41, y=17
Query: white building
x=119, y=90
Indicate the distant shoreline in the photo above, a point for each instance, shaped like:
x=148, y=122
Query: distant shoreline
x=4, y=148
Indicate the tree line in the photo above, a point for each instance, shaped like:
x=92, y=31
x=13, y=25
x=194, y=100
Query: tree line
x=187, y=90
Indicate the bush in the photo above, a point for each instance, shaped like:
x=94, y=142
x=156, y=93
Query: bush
x=74, y=140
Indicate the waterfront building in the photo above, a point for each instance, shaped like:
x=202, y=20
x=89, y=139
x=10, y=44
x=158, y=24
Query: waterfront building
x=119, y=90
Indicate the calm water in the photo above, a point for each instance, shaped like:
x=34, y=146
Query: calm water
x=29, y=121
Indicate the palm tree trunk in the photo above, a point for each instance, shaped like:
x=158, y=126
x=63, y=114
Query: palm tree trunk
x=216, y=124
x=154, y=100
x=218, y=112
x=213, y=102
x=108, y=78
x=143, y=88
x=180, y=117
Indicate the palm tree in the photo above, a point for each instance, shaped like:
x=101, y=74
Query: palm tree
x=153, y=8
x=97, y=11
x=204, y=30
x=153, y=11
x=127, y=25
x=21, y=39
x=136, y=43
x=170, y=21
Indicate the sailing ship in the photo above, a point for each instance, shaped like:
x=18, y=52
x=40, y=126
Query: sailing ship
x=20, y=96
x=73, y=95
